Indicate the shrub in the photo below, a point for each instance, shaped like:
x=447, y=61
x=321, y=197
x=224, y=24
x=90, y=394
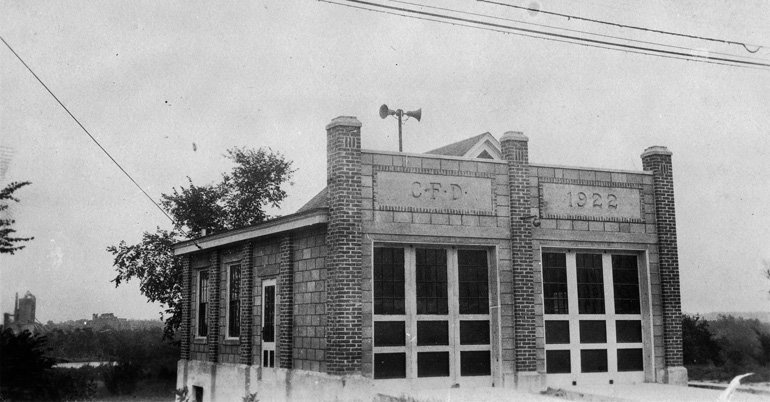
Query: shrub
x=121, y=379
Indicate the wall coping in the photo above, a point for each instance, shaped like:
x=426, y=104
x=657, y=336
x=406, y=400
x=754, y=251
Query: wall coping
x=544, y=165
x=434, y=156
x=277, y=225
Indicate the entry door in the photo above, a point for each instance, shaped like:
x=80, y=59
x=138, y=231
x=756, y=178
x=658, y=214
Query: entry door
x=593, y=320
x=268, y=323
x=432, y=316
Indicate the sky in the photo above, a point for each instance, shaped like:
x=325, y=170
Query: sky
x=168, y=87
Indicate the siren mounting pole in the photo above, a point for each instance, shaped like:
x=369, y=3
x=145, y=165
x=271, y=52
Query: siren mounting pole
x=400, y=113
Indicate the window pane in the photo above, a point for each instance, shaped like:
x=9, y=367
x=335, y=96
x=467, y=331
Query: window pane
x=432, y=333
x=234, y=307
x=555, y=283
x=593, y=361
x=389, y=333
x=593, y=331
x=557, y=361
x=628, y=331
x=432, y=364
x=590, y=280
x=472, y=271
x=390, y=365
x=268, y=331
x=626, y=284
x=630, y=360
x=556, y=332
x=474, y=332
x=475, y=363
x=431, y=282
x=203, y=298
x=389, y=281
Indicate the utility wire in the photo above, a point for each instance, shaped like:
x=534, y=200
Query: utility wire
x=524, y=35
x=561, y=37
x=567, y=29
x=89, y=134
x=615, y=24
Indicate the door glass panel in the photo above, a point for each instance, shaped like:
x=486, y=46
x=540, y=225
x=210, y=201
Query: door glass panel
x=630, y=360
x=432, y=282
x=474, y=332
x=203, y=302
x=390, y=365
x=628, y=331
x=593, y=331
x=590, y=280
x=593, y=361
x=389, y=281
x=474, y=363
x=432, y=333
x=555, y=283
x=433, y=364
x=389, y=333
x=268, y=330
x=473, y=276
x=556, y=332
x=557, y=361
x=626, y=284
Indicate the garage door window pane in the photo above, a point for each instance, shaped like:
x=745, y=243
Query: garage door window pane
x=557, y=361
x=390, y=365
x=593, y=361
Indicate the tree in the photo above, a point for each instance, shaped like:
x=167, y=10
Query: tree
x=8, y=243
x=239, y=200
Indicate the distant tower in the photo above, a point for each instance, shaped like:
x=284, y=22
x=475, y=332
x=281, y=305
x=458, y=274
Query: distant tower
x=25, y=309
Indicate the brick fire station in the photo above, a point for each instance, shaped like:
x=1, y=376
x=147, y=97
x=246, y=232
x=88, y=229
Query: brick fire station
x=464, y=266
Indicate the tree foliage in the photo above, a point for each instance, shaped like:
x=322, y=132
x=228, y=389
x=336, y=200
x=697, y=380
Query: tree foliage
x=8, y=243
x=239, y=200
x=699, y=347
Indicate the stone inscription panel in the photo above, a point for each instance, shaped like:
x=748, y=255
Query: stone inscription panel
x=560, y=200
x=425, y=192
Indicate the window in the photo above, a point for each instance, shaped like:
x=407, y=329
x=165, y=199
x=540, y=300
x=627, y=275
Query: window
x=431, y=313
x=203, y=303
x=555, y=283
x=234, y=302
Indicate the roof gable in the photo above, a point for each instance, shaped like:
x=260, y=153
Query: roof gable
x=472, y=147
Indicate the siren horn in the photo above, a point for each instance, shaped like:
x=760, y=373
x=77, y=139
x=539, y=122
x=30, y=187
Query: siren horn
x=417, y=114
x=385, y=111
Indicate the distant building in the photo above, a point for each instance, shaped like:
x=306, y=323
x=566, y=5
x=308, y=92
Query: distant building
x=23, y=317
x=107, y=320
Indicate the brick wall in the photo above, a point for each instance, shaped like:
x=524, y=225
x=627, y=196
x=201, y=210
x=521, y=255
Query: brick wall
x=184, y=330
x=658, y=161
x=247, y=306
x=343, y=354
x=515, y=151
x=310, y=300
x=212, y=341
x=285, y=300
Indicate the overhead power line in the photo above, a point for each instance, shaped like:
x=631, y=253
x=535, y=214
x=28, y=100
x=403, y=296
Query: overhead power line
x=568, y=29
x=86, y=131
x=472, y=23
x=615, y=24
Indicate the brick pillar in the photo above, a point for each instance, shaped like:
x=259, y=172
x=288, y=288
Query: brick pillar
x=212, y=340
x=343, y=283
x=184, y=329
x=247, y=303
x=515, y=151
x=286, y=302
x=657, y=159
